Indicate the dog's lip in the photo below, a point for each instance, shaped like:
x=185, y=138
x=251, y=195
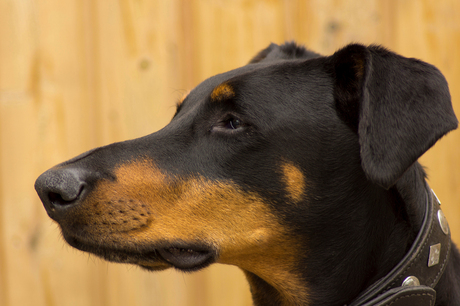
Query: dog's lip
x=147, y=258
x=180, y=255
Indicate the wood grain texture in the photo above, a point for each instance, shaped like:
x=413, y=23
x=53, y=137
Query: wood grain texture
x=79, y=74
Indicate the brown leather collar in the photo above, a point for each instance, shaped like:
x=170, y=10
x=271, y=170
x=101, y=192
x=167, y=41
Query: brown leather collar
x=412, y=281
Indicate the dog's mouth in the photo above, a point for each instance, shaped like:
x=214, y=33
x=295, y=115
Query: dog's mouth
x=180, y=255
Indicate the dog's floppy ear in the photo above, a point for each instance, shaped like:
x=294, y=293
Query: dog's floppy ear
x=286, y=51
x=398, y=106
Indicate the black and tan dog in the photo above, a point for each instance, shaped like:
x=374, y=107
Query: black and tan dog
x=298, y=168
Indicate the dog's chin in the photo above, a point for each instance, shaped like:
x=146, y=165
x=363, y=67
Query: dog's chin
x=183, y=256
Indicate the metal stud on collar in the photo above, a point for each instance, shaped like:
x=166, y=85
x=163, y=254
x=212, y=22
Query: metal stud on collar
x=443, y=222
x=435, y=252
x=411, y=281
x=441, y=218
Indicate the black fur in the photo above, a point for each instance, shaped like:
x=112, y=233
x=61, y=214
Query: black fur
x=355, y=123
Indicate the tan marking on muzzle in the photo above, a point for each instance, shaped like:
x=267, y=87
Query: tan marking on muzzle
x=145, y=206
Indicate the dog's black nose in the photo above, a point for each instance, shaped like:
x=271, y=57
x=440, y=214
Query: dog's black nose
x=61, y=188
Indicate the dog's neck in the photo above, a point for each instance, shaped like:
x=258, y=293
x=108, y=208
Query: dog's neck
x=391, y=233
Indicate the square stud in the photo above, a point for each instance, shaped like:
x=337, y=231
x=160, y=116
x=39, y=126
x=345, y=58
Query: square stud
x=435, y=253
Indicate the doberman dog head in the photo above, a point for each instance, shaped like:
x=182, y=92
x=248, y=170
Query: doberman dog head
x=285, y=167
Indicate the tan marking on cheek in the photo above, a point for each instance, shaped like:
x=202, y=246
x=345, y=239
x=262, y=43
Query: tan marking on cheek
x=294, y=181
x=221, y=92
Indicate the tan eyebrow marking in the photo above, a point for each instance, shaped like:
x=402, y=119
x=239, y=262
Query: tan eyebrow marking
x=223, y=91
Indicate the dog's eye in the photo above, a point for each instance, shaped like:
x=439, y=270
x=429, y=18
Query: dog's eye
x=233, y=123
x=228, y=125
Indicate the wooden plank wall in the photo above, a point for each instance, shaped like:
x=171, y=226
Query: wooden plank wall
x=75, y=74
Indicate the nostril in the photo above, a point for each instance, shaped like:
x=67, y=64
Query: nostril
x=57, y=199
x=66, y=194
